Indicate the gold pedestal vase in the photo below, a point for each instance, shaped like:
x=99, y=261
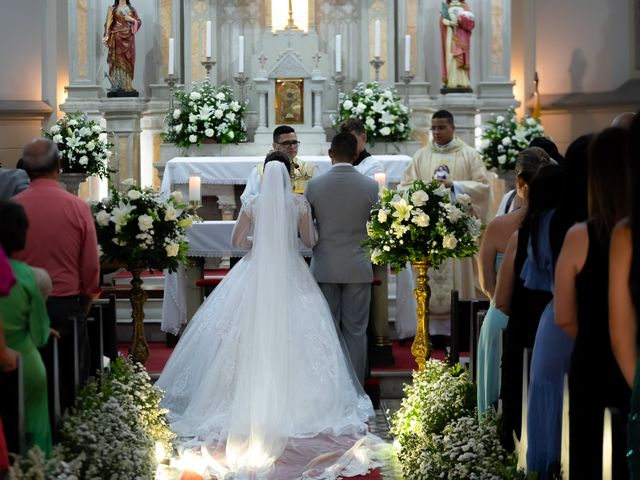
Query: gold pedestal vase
x=139, y=349
x=421, y=347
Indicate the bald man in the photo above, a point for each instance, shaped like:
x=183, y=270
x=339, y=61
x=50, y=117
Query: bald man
x=623, y=120
x=61, y=239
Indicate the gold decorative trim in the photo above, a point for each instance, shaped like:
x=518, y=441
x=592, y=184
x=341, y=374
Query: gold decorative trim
x=82, y=37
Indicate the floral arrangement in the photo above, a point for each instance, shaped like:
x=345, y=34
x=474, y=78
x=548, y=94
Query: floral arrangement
x=384, y=117
x=114, y=431
x=506, y=137
x=439, y=435
x=141, y=229
x=206, y=112
x=83, y=145
x=421, y=221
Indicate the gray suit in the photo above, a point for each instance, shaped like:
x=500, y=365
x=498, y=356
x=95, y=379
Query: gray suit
x=341, y=202
x=12, y=182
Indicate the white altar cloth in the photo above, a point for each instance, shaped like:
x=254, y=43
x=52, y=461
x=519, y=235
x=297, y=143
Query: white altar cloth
x=236, y=170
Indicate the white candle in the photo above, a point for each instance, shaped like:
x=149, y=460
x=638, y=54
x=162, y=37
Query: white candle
x=241, y=54
x=407, y=53
x=208, y=40
x=377, y=37
x=194, y=189
x=381, y=178
x=171, y=59
x=338, y=53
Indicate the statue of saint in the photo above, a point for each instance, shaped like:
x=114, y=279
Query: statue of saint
x=119, y=30
x=456, y=23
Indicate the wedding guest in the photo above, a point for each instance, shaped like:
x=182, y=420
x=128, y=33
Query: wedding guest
x=553, y=347
x=365, y=163
x=12, y=182
x=26, y=325
x=624, y=300
x=581, y=307
x=494, y=243
x=523, y=304
x=624, y=120
x=62, y=240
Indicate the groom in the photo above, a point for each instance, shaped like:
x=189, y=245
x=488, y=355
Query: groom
x=341, y=202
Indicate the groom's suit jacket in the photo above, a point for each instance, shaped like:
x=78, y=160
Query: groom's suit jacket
x=341, y=201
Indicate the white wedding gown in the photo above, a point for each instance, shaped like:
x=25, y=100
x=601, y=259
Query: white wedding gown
x=259, y=378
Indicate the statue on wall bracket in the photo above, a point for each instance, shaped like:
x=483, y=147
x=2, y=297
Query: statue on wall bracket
x=119, y=37
x=456, y=24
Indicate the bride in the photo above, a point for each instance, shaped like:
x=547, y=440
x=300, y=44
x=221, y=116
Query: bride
x=258, y=380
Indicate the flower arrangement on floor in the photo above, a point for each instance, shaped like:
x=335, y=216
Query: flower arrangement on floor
x=114, y=431
x=439, y=435
x=207, y=112
x=505, y=137
x=141, y=229
x=83, y=145
x=384, y=117
x=421, y=222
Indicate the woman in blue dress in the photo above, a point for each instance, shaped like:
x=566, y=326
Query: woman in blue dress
x=494, y=244
x=552, y=349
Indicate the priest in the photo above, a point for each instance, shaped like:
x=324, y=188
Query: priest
x=458, y=167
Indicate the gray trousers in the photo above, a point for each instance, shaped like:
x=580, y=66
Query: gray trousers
x=349, y=304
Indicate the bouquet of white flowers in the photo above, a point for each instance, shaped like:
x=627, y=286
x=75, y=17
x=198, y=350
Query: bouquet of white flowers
x=141, y=229
x=506, y=137
x=385, y=118
x=83, y=145
x=206, y=112
x=421, y=222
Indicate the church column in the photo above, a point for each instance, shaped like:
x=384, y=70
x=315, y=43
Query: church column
x=262, y=87
x=494, y=86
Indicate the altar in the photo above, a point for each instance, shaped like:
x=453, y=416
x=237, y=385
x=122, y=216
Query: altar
x=219, y=175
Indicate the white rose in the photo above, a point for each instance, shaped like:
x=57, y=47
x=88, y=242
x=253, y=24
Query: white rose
x=506, y=141
x=421, y=219
x=83, y=160
x=145, y=222
x=502, y=159
x=194, y=96
x=193, y=118
x=103, y=137
x=55, y=129
x=235, y=106
x=450, y=242
x=499, y=119
x=231, y=116
x=463, y=198
x=220, y=96
x=177, y=128
x=347, y=105
x=382, y=215
x=108, y=153
x=134, y=194
x=230, y=134
x=361, y=107
x=171, y=214
x=176, y=113
x=531, y=121
x=209, y=132
x=91, y=146
x=96, y=129
x=368, y=92
x=84, y=132
x=370, y=122
x=128, y=182
x=177, y=196
x=193, y=138
x=102, y=218
x=172, y=249
x=485, y=144
x=218, y=113
x=386, y=248
x=72, y=123
x=384, y=131
x=419, y=198
x=57, y=138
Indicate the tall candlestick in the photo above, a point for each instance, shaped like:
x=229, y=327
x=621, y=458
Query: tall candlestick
x=241, y=54
x=208, y=40
x=338, y=53
x=407, y=53
x=171, y=59
x=194, y=189
x=376, y=50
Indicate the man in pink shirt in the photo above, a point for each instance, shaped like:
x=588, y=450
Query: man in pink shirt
x=62, y=240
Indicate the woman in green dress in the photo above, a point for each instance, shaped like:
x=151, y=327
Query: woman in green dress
x=26, y=326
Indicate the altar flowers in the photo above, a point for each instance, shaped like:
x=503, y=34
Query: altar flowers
x=385, y=118
x=421, y=222
x=207, y=114
x=83, y=145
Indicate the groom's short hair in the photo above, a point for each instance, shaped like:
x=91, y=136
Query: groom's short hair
x=281, y=130
x=344, y=146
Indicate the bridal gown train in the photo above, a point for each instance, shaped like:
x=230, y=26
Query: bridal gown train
x=259, y=377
